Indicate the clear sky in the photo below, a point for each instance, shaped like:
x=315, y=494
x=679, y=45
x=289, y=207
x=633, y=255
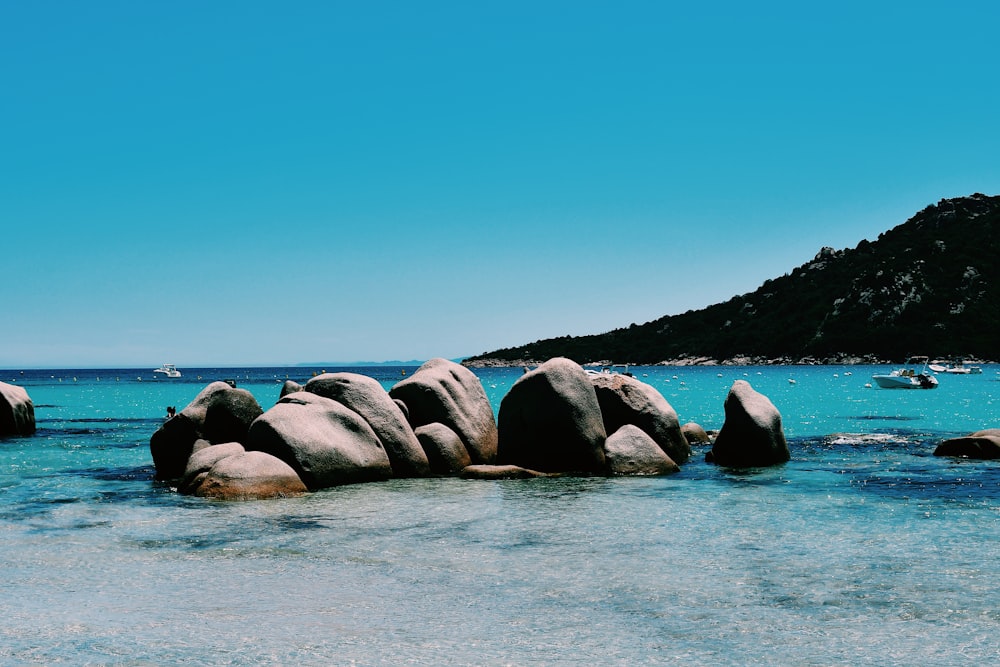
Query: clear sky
x=252, y=182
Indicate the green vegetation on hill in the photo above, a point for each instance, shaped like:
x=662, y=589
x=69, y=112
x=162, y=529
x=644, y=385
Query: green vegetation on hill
x=929, y=286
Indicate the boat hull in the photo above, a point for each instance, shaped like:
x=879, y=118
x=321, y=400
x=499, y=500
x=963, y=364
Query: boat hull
x=905, y=382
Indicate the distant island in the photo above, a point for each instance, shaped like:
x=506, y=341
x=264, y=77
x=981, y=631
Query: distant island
x=928, y=286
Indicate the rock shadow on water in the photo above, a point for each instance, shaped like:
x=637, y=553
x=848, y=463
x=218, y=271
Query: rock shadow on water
x=968, y=488
x=214, y=542
x=120, y=433
x=298, y=523
x=35, y=507
x=552, y=488
x=144, y=473
x=773, y=475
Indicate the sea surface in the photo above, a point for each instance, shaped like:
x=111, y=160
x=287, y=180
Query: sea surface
x=864, y=549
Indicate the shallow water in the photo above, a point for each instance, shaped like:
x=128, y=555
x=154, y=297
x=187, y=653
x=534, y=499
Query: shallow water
x=864, y=549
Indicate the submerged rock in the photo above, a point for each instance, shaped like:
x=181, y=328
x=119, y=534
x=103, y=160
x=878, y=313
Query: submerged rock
x=752, y=435
x=550, y=421
x=500, y=472
x=983, y=445
x=17, y=412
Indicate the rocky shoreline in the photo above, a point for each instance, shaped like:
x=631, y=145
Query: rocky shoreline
x=739, y=360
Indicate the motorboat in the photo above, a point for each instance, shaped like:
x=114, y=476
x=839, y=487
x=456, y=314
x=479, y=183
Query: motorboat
x=169, y=370
x=957, y=368
x=615, y=369
x=913, y=375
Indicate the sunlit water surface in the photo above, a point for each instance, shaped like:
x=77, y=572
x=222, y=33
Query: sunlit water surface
x=864, y=549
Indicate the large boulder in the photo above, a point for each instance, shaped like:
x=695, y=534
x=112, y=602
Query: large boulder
x=17, y=412
x=445, y=451
x=550, y=421
x=752, y=435
x=219, y=413
x=444, y=392
x=250, y=476
x=326, y=443
x=695, y=434
x=369, y=399
x=979, y=445
x=627, y=400
x=202, y=460
x=630, y=451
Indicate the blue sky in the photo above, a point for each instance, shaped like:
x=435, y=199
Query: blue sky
x=266, y=183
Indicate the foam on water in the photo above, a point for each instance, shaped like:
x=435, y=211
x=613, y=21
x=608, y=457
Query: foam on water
x=864, y=549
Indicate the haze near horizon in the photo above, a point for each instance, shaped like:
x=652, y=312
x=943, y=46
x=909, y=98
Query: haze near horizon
x=262, y=184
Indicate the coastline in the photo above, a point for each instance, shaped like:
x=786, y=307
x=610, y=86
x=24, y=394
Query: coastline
x=738, y=360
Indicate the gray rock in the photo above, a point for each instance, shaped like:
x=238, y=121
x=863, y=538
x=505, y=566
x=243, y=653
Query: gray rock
x=250, y=476
x=983, y=445
x=752, y=435
x=627, y=400
x=630, y=451
x=444, y=392
x=17, y=412
x=695, y=434
x=445, y=451
x=202, y=460
x=326, y=443
x=289, y=387
x=369, y=399
x=219, y=413
x=550, y=421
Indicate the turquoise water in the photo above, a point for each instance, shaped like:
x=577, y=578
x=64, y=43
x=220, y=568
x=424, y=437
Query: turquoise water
x=864, y=549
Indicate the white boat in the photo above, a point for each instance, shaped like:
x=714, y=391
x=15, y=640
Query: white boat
x=169, y=370
x=908, y=377
x=957, y=368
x=616, y=369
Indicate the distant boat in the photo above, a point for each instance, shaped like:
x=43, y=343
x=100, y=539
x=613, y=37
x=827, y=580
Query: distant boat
x=956, y=368
x=908, y=377
x=169, y=370
x=616, y=369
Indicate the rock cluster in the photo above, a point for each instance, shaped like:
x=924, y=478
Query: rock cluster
x=344, y=428
x=340, y=428
x=220, y=413
x=17, y=412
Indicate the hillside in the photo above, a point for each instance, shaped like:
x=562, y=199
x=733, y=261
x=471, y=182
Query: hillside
x=929, y=286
